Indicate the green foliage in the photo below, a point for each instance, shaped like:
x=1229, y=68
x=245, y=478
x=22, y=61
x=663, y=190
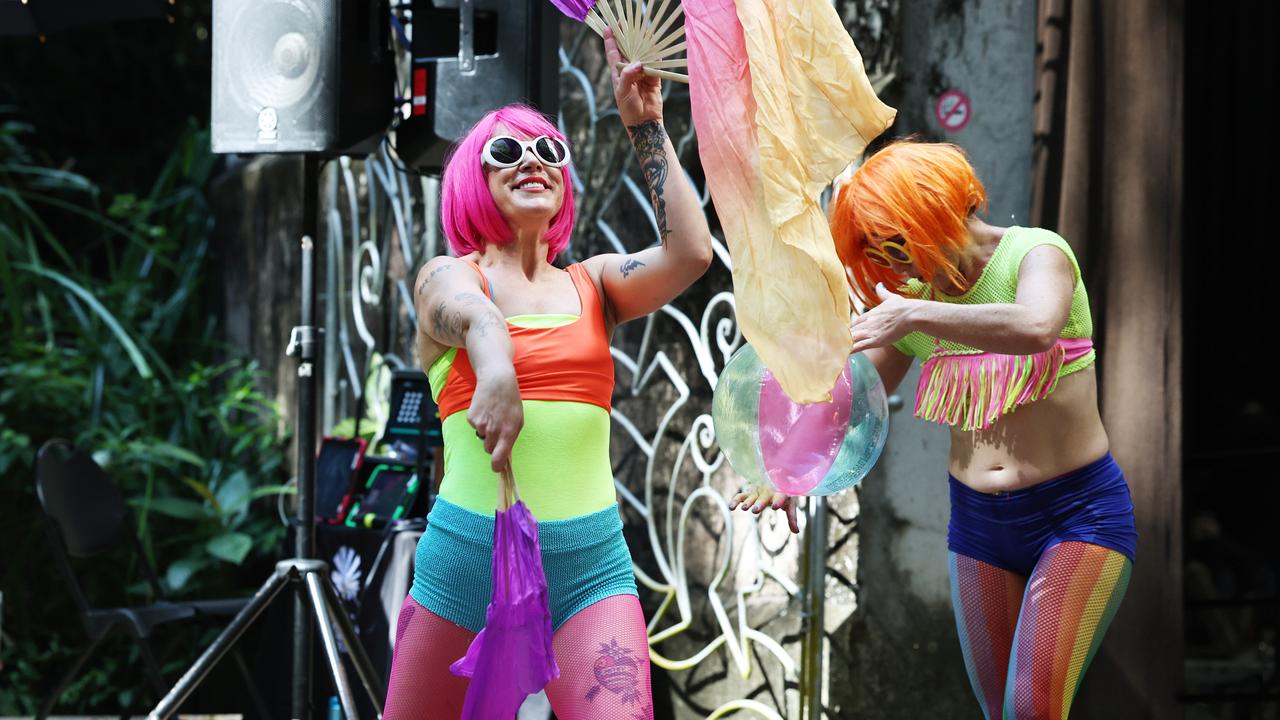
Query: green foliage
x=106, y=340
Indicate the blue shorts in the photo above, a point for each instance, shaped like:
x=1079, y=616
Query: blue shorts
x=1011, y=530
x=585, y=560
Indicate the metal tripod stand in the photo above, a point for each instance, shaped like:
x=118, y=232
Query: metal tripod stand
x=315, y=598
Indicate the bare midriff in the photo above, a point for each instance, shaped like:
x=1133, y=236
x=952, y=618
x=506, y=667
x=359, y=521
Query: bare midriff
x=1036, y=442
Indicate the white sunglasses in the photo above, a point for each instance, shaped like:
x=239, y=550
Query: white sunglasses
x=505, y=151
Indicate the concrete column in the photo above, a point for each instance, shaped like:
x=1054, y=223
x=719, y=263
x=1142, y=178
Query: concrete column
x=978, y=58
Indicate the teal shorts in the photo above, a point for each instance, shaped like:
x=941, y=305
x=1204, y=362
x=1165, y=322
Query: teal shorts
x=585, y=560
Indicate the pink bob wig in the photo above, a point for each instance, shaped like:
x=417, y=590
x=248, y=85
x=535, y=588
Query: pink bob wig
x=921, y=192
x=471, y=219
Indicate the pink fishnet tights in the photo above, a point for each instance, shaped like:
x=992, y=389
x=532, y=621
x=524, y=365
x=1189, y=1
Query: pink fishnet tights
x=602, y=651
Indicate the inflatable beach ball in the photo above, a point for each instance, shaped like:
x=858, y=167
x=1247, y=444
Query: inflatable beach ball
x=813, y=449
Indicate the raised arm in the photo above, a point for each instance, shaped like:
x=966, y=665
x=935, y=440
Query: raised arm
x=1028, y=325
x=639, y=283
x=453, y=311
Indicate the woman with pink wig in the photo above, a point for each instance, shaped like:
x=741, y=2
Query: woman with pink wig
x=517, y=352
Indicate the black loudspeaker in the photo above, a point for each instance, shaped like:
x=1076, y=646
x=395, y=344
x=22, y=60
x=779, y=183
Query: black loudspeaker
x=472, y=57
x=313, y=76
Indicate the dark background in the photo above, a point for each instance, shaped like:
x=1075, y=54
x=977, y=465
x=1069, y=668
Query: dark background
x=1231, y=392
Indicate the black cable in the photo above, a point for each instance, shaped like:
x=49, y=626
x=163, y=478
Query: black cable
x=394, y=153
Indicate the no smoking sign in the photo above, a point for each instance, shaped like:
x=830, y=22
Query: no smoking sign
x=953, y=110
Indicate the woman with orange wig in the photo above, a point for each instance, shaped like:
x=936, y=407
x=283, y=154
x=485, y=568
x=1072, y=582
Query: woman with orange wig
x=1042, y=534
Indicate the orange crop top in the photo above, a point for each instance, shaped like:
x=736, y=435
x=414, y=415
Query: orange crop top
x=567, y=362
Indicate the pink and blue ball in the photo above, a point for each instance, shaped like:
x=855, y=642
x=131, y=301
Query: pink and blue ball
x=810, y=449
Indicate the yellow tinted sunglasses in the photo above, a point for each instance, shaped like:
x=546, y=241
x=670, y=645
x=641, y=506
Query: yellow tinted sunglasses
x=890, y=251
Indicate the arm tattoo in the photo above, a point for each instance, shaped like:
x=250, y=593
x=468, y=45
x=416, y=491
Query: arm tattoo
x=448, y=324
x=487, y=322
x=649, y=140
x=629, y=266
x=470, y=298
x=422, y=287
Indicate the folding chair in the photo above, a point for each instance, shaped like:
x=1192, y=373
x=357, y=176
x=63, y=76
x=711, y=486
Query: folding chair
x=87, y=514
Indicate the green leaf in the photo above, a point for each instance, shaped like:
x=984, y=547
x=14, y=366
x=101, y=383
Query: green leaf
x=233, y=493
x=142, y=587
x=180, y=572
x=232, y=547
x=202, y=490
x=125, y=697
x=169, y=451
x=268, y=490
x=245, y=441
x=178, y=508
x=54, y=179
x=92, y=215
x=19, y=202
x=13, y=446
x=122, y=205
x=130, y=347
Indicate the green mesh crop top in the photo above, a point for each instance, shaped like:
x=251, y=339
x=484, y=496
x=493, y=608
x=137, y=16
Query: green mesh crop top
x=969, y=388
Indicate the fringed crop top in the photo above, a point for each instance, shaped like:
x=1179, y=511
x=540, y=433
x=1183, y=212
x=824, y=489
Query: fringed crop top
x=968, y=388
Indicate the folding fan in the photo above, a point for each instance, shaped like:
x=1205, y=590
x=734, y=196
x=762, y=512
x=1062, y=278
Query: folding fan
x=646, y=32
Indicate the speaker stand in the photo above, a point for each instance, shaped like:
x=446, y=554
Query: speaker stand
x=312, y=579
x=314, y=597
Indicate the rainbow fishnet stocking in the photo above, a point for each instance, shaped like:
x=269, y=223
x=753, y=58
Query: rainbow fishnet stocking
x=1028, y=641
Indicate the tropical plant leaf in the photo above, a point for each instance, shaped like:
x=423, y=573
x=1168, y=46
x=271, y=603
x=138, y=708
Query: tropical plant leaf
x=203, y=491
x=269, y=490
x=233, y=492
x=51, y=179
x=232, y=547
x=167, y=451
x=67, y=370
x=24, y=209
x=175, y=507
x=180, y=572
x=130, y=348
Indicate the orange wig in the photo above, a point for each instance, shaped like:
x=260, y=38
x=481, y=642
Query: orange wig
x=922, y=192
